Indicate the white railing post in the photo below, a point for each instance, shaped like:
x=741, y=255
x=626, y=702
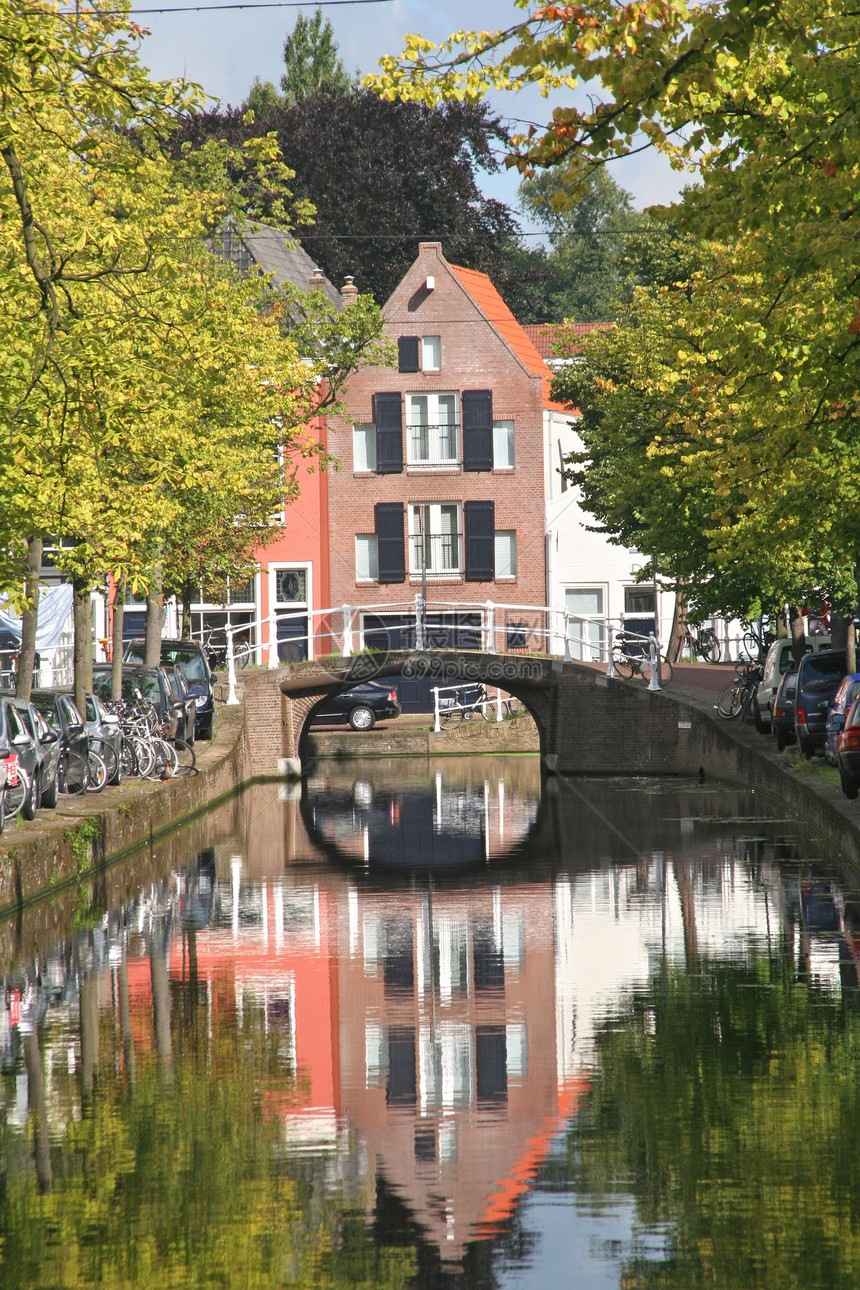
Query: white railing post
x=654, y=683
x=437, y=725
x=346, y=610
x=568, y=657
x=498, y=704
x=610, y=664
x=232, y=697
x=419, y=620
x=273, y=642
x=490, y=629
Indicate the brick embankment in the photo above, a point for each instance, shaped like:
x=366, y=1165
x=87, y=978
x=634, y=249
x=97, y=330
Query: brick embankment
x=55, y=866
x=411, y=737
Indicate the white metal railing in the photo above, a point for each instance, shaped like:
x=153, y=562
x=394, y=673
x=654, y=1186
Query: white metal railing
x=343, y=629
x=439, y=704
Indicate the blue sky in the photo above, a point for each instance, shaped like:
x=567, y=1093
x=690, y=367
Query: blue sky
x=224, y=51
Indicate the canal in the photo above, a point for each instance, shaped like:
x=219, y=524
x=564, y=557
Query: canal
x=417, y=1025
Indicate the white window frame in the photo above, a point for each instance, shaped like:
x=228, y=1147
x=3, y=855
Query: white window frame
x=427, y=365
x=498, y=426
x=505, y=533
x=596, y=633
x=294, y=605
x=432, y=511
x=369, y=448
x=435, y=439
x=359, y=577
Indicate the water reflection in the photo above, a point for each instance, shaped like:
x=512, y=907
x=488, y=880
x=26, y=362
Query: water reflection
x=266, y=1066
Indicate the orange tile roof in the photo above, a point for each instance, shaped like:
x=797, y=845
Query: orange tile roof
x=544, y=335
x=491, y=304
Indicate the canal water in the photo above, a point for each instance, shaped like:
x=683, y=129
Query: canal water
x=421, y=1026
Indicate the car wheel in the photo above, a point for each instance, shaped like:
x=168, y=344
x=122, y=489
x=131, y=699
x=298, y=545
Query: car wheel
x=850, y=785
x=31, y=802
x=362, y=718
x=762, y=726
x=49, y=797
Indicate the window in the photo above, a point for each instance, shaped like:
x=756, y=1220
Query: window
x=435, y=538
x=366, y=557
x=639, y=600
x=364, y=447
x=506, y=553
x=503, y=445
x=433, y=430
x=431, y=353
x=584, y=604
x=291, y=586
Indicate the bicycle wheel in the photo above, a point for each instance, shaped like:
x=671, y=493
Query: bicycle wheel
x=622, y=663
x=186, y=757
x=107, y=752
x=127, y=761
x=451, y=717
x=709, y=646
x=666, y=672
x=144, y=757
x=96, y=773
x=731, y=701
x=165, y=760
x=73, y=775
x=242, y=654
x=749, y=648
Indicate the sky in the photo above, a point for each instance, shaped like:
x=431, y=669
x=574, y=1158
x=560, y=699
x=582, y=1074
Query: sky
x=224, y=50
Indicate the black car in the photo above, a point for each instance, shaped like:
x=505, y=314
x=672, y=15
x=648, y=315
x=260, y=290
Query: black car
x=184, y=703
x=190, y=658
x=819, y=676
x=361, y=707
x=150, y=682
x=61, y=714
x=20, y=751
x=782, y=711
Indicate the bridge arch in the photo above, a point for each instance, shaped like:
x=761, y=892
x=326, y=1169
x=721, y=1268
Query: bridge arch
x=531, y=680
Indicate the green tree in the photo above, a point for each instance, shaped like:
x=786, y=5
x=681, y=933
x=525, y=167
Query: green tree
x=312, y=68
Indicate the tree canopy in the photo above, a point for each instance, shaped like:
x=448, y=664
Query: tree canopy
x=311, y=63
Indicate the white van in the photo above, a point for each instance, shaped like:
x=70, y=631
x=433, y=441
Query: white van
x=779, y=661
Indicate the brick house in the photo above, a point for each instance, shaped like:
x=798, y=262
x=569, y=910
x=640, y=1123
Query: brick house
x=441, y=473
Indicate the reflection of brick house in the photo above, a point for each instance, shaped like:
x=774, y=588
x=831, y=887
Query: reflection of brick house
x=442, y=460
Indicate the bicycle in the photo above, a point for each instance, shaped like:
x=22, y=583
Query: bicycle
x=702, y=642
x=754, y=644
x=214, y=643
x=453, y=713
x=736, y=698
x=628, y=663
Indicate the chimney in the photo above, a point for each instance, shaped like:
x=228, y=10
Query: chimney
x=316, y=281
x=349, y=290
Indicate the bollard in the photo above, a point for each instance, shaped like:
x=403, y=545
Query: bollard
x=232, y=697
x=346, y=610
x=419, y=620
x=568, y=657
x=610, y=666
x=654, y=683
x=490, y=637
x=498, y=704
x=437, y=725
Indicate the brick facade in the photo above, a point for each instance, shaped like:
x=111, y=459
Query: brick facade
x=482, y=348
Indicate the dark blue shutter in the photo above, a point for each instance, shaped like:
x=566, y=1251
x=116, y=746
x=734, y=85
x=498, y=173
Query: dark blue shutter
x=480, y=526
x=388, y=420
x=390, y=542
x=407, y=354
x=477, y=430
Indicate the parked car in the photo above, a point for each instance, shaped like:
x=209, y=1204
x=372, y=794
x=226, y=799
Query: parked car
x=150, y=682
x=848, y=751
x=61, y=714
x=48, y=744
x=782, y=712
x=818, y=678
x=184, y=703
x=845, y=696
x=22, y=756
x=361, y=707
x=191, y=659
x=780, y=659
x=105, y=735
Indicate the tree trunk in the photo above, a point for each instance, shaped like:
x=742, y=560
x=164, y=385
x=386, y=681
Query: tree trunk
x=83, y=642
x=679, y=626
x=187, y=597
x=851, y=663
x=29, y=621
x=116, y=640
x=798, y=636
x=155, y=617
x=838, y=632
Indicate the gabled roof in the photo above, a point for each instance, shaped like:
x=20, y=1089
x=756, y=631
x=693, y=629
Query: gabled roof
x=494, y=309
x=276, y=252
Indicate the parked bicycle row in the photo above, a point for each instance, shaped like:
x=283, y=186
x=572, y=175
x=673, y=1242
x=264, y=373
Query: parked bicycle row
x=48, y=747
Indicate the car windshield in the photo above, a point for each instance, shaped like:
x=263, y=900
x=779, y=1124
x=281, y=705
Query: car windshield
x=189, y=661
x=44, y=703
x=145, y=682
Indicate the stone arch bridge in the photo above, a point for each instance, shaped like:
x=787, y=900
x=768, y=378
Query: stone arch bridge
x=587, y=722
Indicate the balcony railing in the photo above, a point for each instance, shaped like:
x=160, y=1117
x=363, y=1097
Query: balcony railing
x=433, y=447
x=439, y=554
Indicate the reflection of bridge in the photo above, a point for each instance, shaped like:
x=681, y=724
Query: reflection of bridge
x=586, y=720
